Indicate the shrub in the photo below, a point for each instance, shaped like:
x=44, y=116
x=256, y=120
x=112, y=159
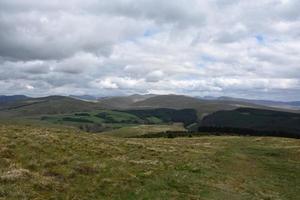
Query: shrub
x=82, y=114
x=80, y=120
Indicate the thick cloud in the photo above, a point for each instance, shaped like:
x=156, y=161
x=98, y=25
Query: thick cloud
x=218, y=47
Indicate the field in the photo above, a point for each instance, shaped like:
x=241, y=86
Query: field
x=140, y=130
x=110, y=120
x=39, y=162
x=101, y=116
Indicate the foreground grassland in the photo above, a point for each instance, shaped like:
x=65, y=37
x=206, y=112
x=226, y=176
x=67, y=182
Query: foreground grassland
x=53, y=163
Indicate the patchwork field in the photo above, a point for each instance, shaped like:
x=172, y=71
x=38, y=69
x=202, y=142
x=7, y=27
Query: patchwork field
x=109, y=120
x=53, y=163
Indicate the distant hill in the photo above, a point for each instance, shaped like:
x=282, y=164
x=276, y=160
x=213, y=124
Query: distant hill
x=168, y=101
x=202, y=106
x=45, y=105
x=85, y=97
x=116, y=102
x=61, y=104
x=139, y=97
x=255, y=119
x=186, y=116
x=123, y=102
x=8, y=99
x=279, y=104
x=25, y=106
x=181, y=102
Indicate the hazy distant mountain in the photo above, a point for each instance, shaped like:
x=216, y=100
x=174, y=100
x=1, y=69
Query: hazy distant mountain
x=63, y=104
x=46, y=105
x=123, y=102
x=279, y=104
x=85, y=97
x=208, y=98
x=201, y=105
x=59, y=104
x=7, y=99
x=139, y=97
x=169, y=101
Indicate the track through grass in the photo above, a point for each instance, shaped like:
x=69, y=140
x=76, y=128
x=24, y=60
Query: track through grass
x=54, y=163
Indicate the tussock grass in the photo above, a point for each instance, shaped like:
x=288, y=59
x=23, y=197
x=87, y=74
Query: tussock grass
x=54, y=163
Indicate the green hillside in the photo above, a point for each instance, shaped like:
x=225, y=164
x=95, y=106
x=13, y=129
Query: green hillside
x=53, y=163
x=203, y=107
x=45, y=105
x=256, y=119
x=186, y=116
x=122, y=102
x=104, y=120
x=123, y=123
x=133, y=131
x=62, y=105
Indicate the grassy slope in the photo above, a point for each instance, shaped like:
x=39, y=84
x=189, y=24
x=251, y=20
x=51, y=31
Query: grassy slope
x=115, y=116
x=255, y=119
x=182, y=102
x=51, y=163
x=114, y=119
x=47, y=105
x=203, y=107
x=143, y=129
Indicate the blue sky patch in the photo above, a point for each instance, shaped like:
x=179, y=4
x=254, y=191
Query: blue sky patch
x=260, y=39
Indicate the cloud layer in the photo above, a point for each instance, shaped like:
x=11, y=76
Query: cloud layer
x=218, y=47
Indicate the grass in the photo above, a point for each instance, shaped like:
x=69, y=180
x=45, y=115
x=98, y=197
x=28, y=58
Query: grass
x=107, y=118
x=110, y=116
x=139, y=130
x=101, y=116
x=39, y=162
x=120, y=124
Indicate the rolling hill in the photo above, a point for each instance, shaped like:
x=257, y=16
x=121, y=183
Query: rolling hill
x=295, y=105
x=61, y=104
x=45, y=105
x=255, y=119
x=54, y=163
x=9, y=99
x=203, y=107
x=122, y=102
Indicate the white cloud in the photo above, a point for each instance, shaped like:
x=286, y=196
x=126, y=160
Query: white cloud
x=104, y=84
x=248, y=48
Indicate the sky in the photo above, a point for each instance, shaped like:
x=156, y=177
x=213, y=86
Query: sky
x=239, y=48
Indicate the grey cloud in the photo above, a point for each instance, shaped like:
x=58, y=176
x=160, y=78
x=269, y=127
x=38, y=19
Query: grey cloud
x=235, y=47
x=46, y=36
x=35, y=67
x=155, y=76
x=290, y=9
x=178, y=12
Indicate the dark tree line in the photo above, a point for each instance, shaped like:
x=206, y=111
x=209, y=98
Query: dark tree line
x=219, y=131
x=186, y=116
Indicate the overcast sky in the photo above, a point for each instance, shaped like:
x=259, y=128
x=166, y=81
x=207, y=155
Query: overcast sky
x=238, y=48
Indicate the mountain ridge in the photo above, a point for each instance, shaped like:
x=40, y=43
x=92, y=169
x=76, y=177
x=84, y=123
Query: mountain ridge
x=64, y=104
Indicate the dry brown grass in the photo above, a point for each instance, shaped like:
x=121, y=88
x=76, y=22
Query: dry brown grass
x=53, y=163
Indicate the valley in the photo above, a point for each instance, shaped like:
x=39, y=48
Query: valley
x=150, y=100
x=64, y=148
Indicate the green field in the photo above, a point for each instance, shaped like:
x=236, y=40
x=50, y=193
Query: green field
x=96, y=121
x=39, y=162
x=132, y=123
x=143, y=130
x=101, y=116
